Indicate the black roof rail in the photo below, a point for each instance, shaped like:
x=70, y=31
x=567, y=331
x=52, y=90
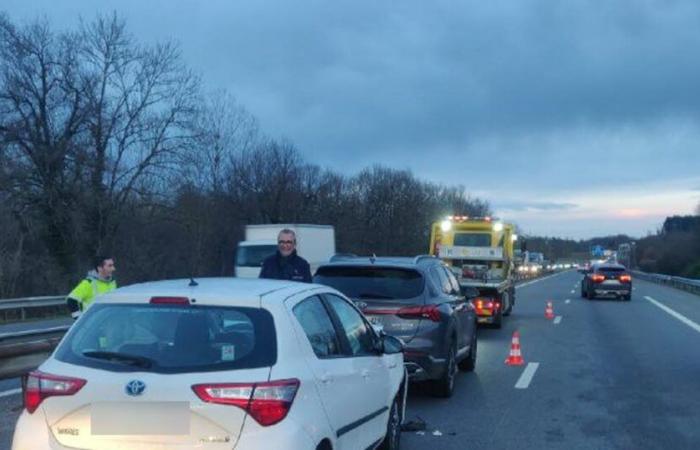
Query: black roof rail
x=342, y=256
x=418, y=258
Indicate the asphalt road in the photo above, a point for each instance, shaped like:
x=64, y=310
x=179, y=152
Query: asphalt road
x=610, y=375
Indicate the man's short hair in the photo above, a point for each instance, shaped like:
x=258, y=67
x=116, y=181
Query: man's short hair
x=288, y=231
x=99, y=261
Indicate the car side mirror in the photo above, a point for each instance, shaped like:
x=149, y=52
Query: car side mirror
x=391, y=345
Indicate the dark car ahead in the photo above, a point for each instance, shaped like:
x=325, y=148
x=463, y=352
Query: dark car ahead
x=607, y=279
x=415, y=299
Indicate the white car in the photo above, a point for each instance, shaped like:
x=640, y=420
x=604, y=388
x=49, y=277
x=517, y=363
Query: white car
x=217, y=364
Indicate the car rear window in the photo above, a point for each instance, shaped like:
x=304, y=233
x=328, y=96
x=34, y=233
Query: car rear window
x=372, y=282
x=171, y=338
x=472, y=239
x=611, y=270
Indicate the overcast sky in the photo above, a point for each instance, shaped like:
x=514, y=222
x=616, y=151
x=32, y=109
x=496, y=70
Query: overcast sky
x=573, y=119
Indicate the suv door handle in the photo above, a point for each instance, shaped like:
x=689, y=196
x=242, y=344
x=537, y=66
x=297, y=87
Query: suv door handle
x=365, y=373
x=326, y=378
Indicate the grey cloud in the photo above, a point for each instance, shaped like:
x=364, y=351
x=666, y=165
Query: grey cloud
x=535, y=206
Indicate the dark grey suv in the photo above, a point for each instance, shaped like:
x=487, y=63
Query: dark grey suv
x=415, y=299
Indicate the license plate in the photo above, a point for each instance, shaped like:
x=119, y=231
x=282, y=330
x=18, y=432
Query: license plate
x=137, y=418
x=485, y=312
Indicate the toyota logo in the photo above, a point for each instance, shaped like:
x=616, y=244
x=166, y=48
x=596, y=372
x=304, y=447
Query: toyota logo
x=135, y=387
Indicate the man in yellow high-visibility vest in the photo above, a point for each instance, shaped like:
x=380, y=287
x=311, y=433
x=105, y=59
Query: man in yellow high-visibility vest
x=97, y=281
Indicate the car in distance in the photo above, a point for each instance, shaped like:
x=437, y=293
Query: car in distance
x=605, y=280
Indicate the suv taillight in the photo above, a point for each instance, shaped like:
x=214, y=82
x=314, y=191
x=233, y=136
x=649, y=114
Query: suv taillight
x=431, y=312
x=37, y=386
x=597, y=278
x=625, y=278
x=267, y=402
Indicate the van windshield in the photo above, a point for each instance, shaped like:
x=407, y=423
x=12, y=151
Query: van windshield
x=253, y=255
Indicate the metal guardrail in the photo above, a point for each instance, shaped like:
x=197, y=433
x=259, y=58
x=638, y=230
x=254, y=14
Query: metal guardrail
x=23, y=351
x=19, y=309
x=687, y=284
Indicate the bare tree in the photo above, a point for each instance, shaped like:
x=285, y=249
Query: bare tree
x=142, y=102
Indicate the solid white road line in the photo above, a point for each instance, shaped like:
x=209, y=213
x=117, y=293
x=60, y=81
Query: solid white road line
x=527, y=375
x=557, y=320
x=10, y=392
x=568, y=300
x=673, y=313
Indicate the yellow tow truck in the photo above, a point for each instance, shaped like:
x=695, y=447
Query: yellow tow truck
x=479, y=251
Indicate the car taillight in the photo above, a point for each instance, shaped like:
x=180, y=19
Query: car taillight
x=267, y=402
x=598, y=278
x=37, y=386
x=430, y=312
x=625, y=278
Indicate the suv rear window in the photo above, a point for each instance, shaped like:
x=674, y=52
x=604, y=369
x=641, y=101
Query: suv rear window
x=372, y=282
x=170, y=339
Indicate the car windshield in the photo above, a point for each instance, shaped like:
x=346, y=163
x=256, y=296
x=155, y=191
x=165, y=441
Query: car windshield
x=372, y=282
x=253, y=255
x=170, y=339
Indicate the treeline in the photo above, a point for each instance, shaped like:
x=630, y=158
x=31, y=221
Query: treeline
x=110, y=146
x=673, y=250
x=557, y=248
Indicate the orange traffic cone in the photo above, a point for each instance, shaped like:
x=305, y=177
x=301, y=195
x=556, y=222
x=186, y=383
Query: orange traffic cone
x=515, y=358
x=549, y=311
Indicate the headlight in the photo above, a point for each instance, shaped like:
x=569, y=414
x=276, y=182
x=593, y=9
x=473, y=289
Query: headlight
x=498, y=226
x=446, y=226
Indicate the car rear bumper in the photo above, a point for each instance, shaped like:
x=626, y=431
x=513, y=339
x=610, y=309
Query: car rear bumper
x=612, y=290
x=421, y=366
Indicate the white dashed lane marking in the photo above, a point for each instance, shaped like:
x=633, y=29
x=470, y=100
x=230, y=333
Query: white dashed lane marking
x=10, y=392
x=567, y=301
x=527, y=375
x=557, y=320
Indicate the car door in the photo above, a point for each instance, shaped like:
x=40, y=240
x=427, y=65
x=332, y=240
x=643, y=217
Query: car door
x=464, y=309
x=453, y=299
x=337, y=379
x=370, y=368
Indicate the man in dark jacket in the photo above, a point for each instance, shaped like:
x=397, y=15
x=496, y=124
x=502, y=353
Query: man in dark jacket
x=285, y=264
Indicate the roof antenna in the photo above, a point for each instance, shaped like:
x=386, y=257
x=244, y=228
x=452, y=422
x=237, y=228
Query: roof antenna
x=193, y=283
x=373, y=258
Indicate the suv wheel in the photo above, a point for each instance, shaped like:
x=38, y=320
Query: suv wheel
x=469, y=363
x=392, y=438
x=627, y=297
x=444, y=387
x=583, y=292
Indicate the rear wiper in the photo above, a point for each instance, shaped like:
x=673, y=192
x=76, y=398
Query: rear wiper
x=133, y=360
x=374, y=295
